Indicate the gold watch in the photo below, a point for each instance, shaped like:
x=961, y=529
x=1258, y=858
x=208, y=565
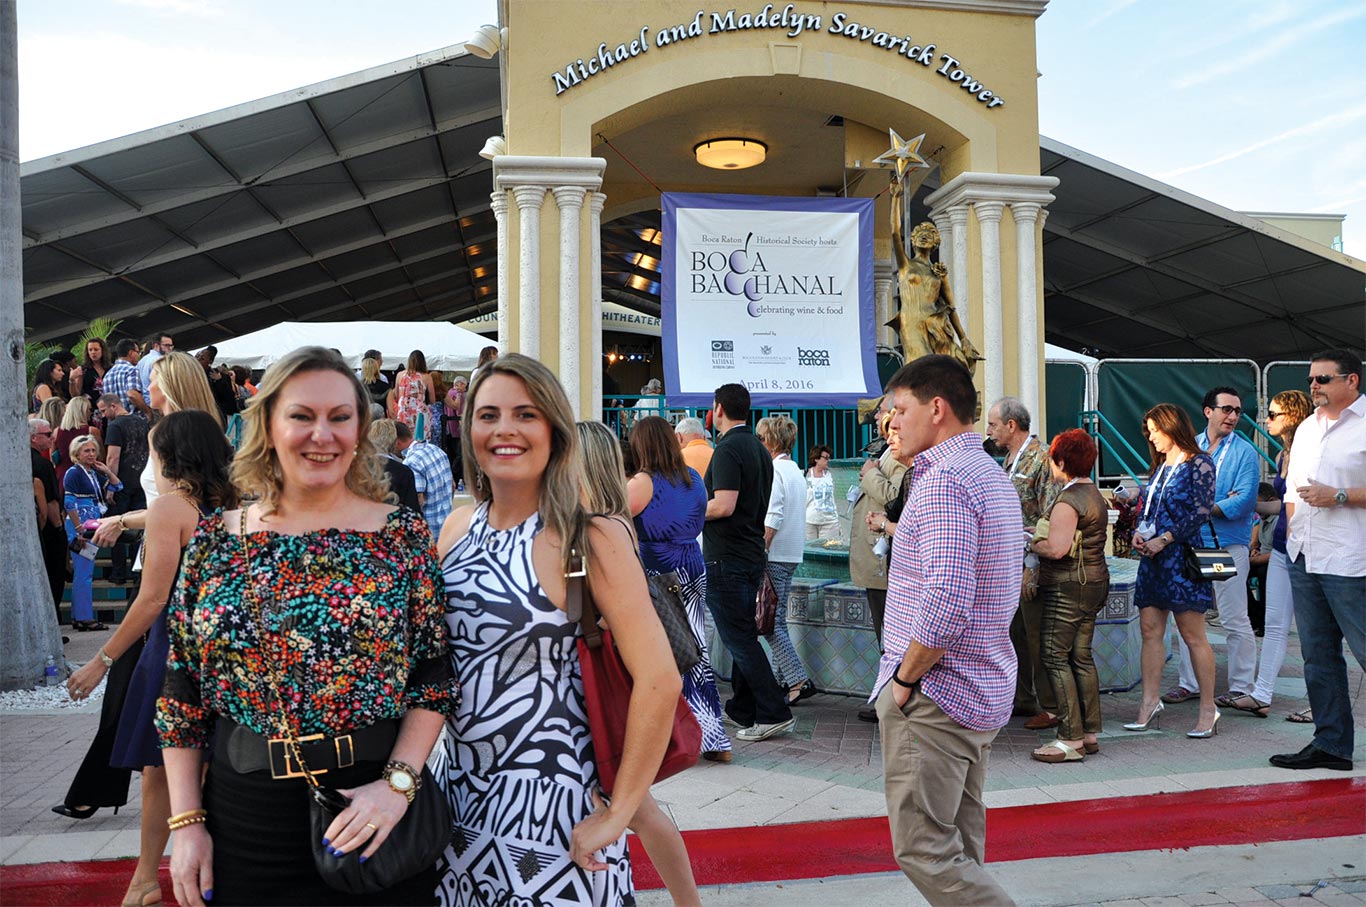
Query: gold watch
x=402, y=778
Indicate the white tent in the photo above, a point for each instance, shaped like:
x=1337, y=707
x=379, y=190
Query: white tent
x=447, y=347
x=1061, y=354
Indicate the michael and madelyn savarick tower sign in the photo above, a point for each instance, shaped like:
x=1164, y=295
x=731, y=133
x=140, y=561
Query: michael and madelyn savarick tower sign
x=788, y=22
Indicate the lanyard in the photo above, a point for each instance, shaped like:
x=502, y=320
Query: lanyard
x=1153, y=500
x=1224, y=445
x=1019, y=453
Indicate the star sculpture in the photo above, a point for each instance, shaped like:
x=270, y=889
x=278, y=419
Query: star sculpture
x=904, y=154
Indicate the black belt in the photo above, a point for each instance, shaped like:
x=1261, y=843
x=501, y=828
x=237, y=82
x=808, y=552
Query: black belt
x=247, y=751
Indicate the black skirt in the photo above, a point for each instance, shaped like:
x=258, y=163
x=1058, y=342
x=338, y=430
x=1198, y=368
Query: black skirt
x=261, y=848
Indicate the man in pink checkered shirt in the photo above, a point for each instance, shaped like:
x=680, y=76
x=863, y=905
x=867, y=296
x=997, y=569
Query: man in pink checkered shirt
x=947, y=677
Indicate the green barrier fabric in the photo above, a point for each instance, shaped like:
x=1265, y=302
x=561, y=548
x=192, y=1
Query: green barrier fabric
x=1287, y=377
x=1126, y=390
x=1064, y=396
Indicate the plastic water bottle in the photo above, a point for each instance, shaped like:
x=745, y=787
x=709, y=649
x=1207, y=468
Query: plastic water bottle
x=50, y=672
x=460, y=486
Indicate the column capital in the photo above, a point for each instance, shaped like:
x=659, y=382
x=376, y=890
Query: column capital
x=1025, y=212
x=884, y=269
x=989, y=211
x=596, y=201
x=569, y=196
x=499, y=202
x=529, y=196
x=1003, y=187
x=511, y=171
x=958, y=215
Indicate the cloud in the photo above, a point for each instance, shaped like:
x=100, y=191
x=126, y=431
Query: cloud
x=1328, y=122
x=200, y=9
x=1270, y=47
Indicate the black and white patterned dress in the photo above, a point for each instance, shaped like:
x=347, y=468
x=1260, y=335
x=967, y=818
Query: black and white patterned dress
x=516, y=760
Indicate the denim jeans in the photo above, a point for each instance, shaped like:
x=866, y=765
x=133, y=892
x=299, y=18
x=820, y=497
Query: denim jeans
x=790, y=670
x=731, y=589
x=1327, y=611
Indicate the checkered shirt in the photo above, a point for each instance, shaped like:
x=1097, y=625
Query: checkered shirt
x=432, y=476
x=954, y=582
x=121, y=378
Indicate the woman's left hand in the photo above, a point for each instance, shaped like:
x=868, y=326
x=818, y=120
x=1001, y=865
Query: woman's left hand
x=85, y=678
x=593, y=834
x=374, y=811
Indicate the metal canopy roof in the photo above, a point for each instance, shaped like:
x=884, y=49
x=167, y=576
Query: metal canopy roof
x=364, y=197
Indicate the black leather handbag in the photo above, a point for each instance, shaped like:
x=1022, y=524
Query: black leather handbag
x=1204, y=565
x=666, y=594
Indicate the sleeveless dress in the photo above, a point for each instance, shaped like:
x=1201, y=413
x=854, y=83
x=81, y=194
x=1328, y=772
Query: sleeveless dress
x=516, y=760
x=410, y=397
x=668, y=528
x=136, y=743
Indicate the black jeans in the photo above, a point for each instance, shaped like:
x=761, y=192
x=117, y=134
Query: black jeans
x=731, y=589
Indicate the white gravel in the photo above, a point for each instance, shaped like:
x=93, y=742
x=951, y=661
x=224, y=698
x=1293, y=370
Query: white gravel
x=49, y=699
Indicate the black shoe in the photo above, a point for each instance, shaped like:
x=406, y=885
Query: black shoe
x=805, y=691
x=75, y=812
x=1311, y=757
x=867, y=713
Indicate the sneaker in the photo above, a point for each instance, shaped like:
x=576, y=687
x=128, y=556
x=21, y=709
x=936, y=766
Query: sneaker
x=867, y=713
x=731, y=722
x=764, y=731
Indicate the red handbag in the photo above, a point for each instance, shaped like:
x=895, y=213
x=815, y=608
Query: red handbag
x=765, y=606
x=607, y=696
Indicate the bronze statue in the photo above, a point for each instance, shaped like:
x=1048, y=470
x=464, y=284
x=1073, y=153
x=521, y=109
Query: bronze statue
x=926, y=321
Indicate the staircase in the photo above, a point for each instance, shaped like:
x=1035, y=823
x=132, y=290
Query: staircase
x=111, y=601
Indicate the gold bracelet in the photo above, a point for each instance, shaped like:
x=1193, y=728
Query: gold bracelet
x=185, y=823
x=187, y=814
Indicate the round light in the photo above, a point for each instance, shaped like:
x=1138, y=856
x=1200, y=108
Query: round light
x=731, y=154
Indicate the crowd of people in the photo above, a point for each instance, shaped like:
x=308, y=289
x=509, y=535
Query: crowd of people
x=322, y=601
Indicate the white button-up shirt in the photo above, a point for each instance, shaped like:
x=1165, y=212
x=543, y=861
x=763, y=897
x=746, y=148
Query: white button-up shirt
x=1331, y=451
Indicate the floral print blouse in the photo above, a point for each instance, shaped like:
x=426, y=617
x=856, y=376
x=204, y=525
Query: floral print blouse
x=360, y=615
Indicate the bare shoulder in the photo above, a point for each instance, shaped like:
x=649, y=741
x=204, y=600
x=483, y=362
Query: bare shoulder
x=455, y=528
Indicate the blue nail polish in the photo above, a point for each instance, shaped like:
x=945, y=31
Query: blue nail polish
x=326, y=841
x=363, y=858
x=208, y=895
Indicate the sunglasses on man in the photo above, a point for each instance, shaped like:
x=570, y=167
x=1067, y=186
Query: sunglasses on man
x=1323, y=379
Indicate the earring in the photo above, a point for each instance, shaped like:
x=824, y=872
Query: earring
x=479, y=480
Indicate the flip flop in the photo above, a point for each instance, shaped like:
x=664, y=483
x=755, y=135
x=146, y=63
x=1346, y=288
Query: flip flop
x=1065, y=753
x=1257, y=707
x=1303, y=716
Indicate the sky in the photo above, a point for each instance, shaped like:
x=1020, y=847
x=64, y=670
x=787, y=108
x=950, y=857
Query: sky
x=1257, y=105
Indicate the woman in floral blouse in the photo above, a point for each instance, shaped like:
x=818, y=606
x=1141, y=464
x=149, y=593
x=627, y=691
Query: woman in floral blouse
x=315, y=610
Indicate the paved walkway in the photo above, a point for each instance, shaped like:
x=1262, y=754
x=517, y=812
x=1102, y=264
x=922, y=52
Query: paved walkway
x=830, y=768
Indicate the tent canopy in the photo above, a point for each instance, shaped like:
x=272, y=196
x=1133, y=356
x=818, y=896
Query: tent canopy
x=447, y=347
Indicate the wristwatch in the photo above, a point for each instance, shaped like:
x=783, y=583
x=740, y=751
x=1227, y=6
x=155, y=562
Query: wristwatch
x=105, y=659
x=1341, y=497
x=402, y=778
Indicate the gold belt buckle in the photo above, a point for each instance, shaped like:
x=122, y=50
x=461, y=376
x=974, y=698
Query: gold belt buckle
x=286, y=757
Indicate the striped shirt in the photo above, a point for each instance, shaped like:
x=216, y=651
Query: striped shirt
x=432, y=476
x=954, y=582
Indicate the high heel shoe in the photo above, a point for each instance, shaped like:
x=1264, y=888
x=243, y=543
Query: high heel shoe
x=151, y=890
x=75, y=812
x=1213, y=729
x=1152, y=719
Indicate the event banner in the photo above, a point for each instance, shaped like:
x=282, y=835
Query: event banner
x=775, y=293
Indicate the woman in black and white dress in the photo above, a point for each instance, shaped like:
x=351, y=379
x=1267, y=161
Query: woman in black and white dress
x=530, y=827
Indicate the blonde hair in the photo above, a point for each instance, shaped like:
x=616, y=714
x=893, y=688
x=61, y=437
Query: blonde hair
x=558, y=503
x=77, y=413
x=53, y=411
x=777, y=432
x=369, y=370
x=383, y=435
x=604, y=471
x=81, y=441
x=1296, y=406
x=182, y=381
x=256, y=470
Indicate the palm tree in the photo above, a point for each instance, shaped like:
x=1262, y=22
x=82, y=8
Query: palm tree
x=26, y=616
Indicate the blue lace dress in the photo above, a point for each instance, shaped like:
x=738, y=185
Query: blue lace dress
x=668, y=528
x=1178, y=499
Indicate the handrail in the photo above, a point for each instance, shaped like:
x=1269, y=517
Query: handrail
x=1101, y=417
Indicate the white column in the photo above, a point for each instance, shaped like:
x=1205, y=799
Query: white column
x=958, y=265
x=499, y=200
x=884, y=278
x=1026, y=216
x=570, y=202
x=595, y=202
x=993, y=341
x=529, y=200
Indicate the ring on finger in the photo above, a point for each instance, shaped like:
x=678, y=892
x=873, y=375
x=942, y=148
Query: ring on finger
x=372, y=826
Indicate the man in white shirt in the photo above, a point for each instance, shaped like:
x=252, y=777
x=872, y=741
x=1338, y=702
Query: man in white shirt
x=1325, y=502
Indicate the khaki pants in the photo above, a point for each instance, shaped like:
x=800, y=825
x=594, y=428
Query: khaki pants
x=933, y=772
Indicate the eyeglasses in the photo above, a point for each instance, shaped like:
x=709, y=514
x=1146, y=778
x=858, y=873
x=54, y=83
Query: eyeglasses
x=1229, y=410
x=1323, y=379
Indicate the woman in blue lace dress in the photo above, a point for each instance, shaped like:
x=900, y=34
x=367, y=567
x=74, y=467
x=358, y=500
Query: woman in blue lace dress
x=669, y=502
x=1176, y=505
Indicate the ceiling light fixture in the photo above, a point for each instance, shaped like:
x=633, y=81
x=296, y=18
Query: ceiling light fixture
x=487, y=41
x=730, y=154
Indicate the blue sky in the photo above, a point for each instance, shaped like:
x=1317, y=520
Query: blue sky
x=1258, y=105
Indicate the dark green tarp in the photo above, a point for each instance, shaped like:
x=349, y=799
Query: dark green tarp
x=1286, y=376
x=1064, y=396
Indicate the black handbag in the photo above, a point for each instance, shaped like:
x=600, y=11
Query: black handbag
x=1203, y=565
x=414, y=844
x=666, y=595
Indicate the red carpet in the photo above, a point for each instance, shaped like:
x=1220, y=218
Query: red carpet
x=1238, y=815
